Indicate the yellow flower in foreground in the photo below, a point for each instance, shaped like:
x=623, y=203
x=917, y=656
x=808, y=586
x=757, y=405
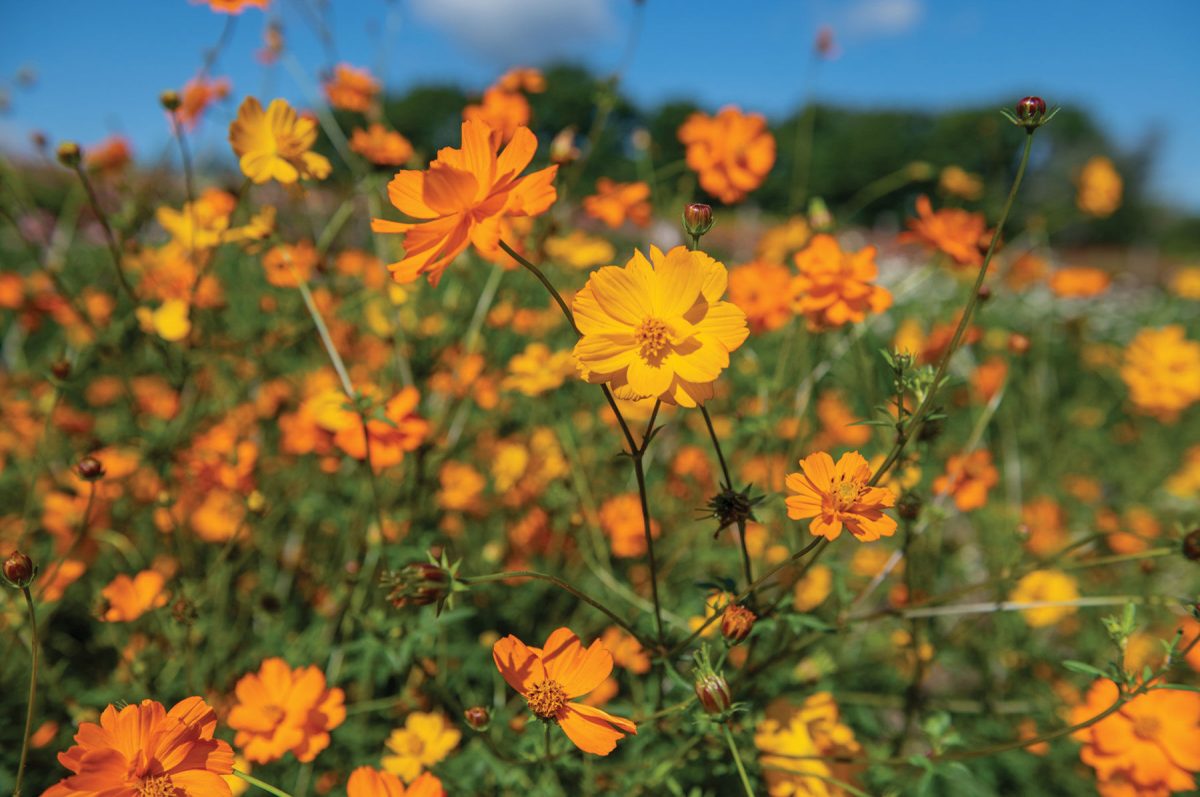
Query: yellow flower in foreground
x=657, y=328
x=1162, y=371
x=424, y=740
x=276, y=144
x=1045, y=585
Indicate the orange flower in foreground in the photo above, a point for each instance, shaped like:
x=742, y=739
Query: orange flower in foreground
x=462, y=199
x=381, y=146
x=731, y=152
x=1079, y=282
x=968, y=478
x=836, y=287
x=130, y=598
x=144, y=749
x=839, y=495
x=763, y=290
x=615, y=202
x=351, y=88
x=550, y=676
x=503, y=111
x=1150, y=746
x=367, y=782
x=280, y=710
x=962, y=235
x=199, y=93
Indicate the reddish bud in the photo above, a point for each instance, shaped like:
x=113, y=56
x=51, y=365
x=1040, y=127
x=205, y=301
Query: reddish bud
x=697, y=219
x=477, y=717
x=737, y=622
x=18, y=569
x=713, y=693
x=1191, y=546
x=417, y=584
x=61, y=369
x=90, y=469
x=1031, y=109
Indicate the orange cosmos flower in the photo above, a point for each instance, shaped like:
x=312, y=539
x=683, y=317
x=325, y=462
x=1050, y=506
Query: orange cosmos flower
x=351, y=88
x=1044, y=526
x=130, y=598
x=731, y=152
x=962, y=235
x=368, y=782
x=462, y=199
x=144, y=749
x=658, y=328
x=550, y=676
x=1079, y=282
x=503, y=111
x=233, y=6
x=274, y=145
x=615, y=202
x=839, y=495
x=280, y=710
x=381, y=146
x=109, y=156
x=1150, y=746
x=1161, y=368
x=199, y=93
x=621, y=520
x=763, y=290
x=1100, y=188
x=968, y=478
x=287, y=265
x=523, y=79
x=836, y=287
x=399, y=431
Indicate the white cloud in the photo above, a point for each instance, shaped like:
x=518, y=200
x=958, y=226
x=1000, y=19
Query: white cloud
x=520, y=31
x=884, y=17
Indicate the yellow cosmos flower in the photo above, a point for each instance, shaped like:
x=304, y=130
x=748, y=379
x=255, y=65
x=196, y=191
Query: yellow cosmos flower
x=657, y=328
x=276, y=145
x=1045, y=586
x=169, y=321
x=424, y=740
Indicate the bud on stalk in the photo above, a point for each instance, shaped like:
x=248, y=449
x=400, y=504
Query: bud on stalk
x=18, y=570
x=697, y=220
x=736, y=623
x=477, y=717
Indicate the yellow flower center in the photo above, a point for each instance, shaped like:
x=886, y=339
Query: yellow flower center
x=546, y=699
x=1146, y=727
x=157, y=786
x=846, y=494
x=651, y=338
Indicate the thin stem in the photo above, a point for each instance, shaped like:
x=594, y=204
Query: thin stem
x=737, y=759
x=253, y=781
x=913, y=427
x=33, y=671
x=326, y=339
x=640, y=472
x=114, y=248
x=717, y=447
x=537, y=272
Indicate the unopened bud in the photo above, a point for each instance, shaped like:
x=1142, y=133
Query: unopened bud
x=1191, y=546
x=170, y=100
x=737, y=622
x=819, y=217
x=713, y=693
x=61, y=369
x=909, y=506
x=1031, y=109
x=90, y=469
x=18, y=570
x=69, y=154
x=478, y=718
x=417, y=584
x=697, y=219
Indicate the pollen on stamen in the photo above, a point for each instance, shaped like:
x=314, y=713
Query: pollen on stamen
x=546, y=699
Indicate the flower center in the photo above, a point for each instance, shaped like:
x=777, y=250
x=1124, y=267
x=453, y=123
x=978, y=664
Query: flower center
x=1146, y=727
x=546, y=699
x=846, y=494
x=157, y=786
x=651, y=338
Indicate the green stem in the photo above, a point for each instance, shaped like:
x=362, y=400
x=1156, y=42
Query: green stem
x=737, y=759
x=267, y=787
x=913, y=427
x=537, y=272
x=33, y=671
x=114, y=248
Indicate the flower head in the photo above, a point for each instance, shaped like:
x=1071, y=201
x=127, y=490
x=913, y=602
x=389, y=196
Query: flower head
x=1161, y=368
x=129, y=598
x=281, y=710
x=968, y=478
x=144, y=749
x=351, y=88
x=463, y=198
x=550, y=676
x=424, y=740
x=381, y=146
x=1045, y=586
x=199, y=93
x=836, y=287
x=763, y=290
x=368, y=782
x=962, y=235
x=276, y=144
x=504, y=112
x=657, y=328
x=837, y=496
x=615, y=202
x=1100, y=188
x=731, y=152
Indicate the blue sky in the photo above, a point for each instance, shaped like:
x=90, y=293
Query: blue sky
x=101, y=65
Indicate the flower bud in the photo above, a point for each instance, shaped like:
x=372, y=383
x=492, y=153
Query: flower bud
x=819, y=217
x=417, y=584
x=170, y=100
x=737, y=622
x=1191, y=546
x=1031, y=109
x=90, y=469
x=713, y=693
x=69, y=154
x=824, y=42
x=61, y=369
x=985, y=293
x=18, y=570
x=478, y=718
x=697, y=219
x=909, y=506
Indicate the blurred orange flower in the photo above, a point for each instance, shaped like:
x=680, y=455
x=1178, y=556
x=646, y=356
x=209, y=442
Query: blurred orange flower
x=524, y=79
x=1149, y=746
x=836, y=287
x=763, y=290
x=731, y=152
x=368, y=782
x=144, y=749
x=621, y=520
x=199, y=93
x=837, y=496
x=1100, y=188
x=381, y=146
x=129, y=598
x=962, y=235
x=462, y=199
x=281, y=710
x=1045, y=527
x=351, y=88
x=504, y=112
x=233, y=6
x=615, y=202
x=550, y=676
x=287, y=265
x=968, y=478
x=109, y=156
x=276, y=144
x=1161, y=368
x=1079, y=282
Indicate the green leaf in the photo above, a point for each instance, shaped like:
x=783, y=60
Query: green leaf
x=1084, y=668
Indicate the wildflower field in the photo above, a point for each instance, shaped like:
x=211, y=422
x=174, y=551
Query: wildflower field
x=531, y=441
